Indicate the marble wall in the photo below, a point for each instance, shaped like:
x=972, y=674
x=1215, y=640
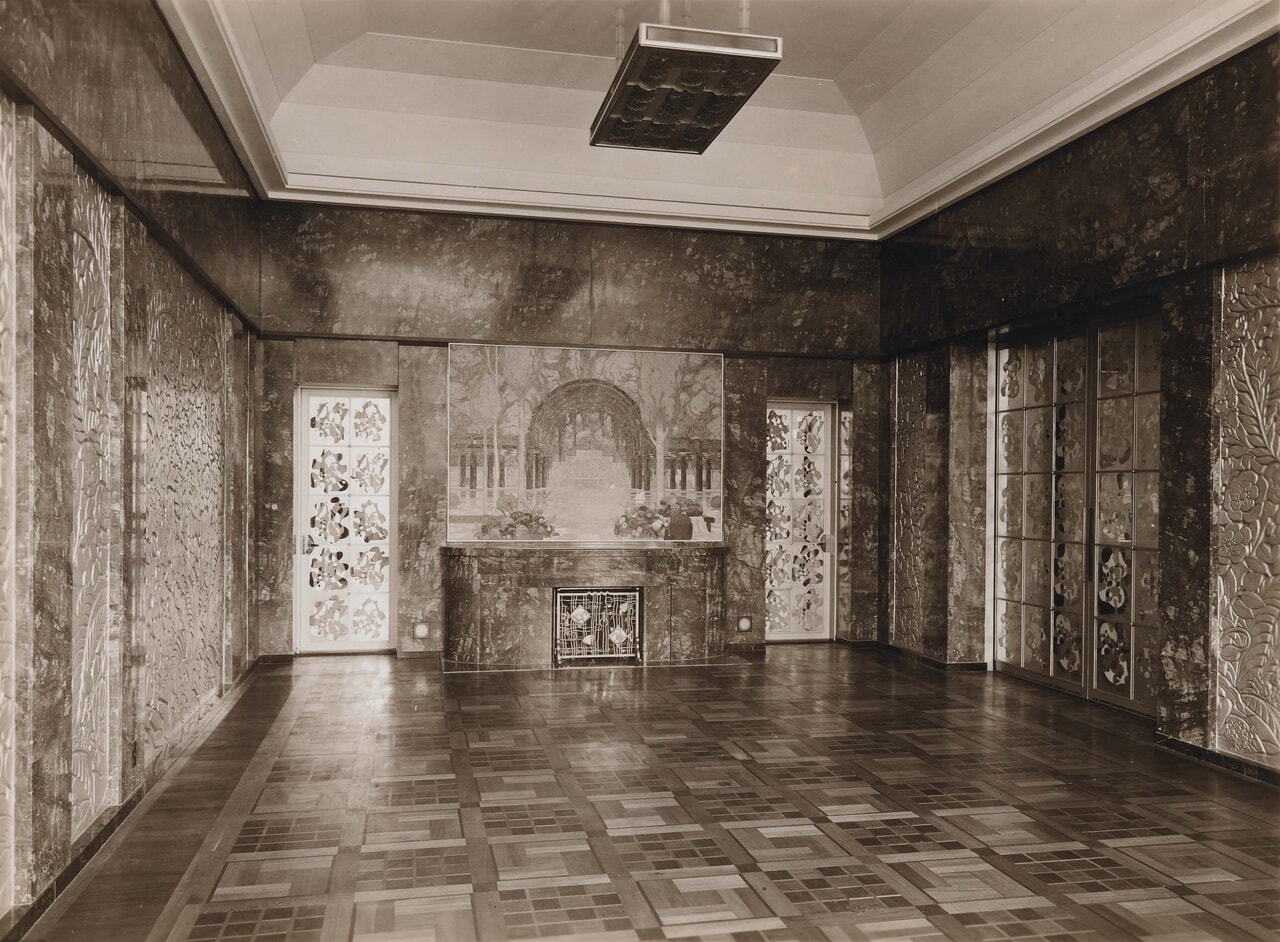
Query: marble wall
x=1190, y=178
x=431, y=276
x=112, y=77
x=1246, y=512
x=116, y=517
x=938, y=469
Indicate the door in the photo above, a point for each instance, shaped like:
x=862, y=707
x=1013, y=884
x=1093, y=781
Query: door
x=799, y=521
x=1077, y=510
x=346, y=554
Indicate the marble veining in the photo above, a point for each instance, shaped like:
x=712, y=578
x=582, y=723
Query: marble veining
x=1246, y=508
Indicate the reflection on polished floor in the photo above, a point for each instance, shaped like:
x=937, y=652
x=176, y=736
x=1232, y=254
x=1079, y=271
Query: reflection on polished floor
x=816, y=792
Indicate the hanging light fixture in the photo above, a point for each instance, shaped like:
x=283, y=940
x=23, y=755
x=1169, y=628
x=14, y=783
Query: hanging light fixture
x=678, y=87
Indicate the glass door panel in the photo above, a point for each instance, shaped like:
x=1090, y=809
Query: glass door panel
x=345, y=516
x=799, y=505
x=1077, y=515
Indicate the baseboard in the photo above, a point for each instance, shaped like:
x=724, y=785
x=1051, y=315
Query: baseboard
x=744, y=647
x=1233, y=764
x=916, y=656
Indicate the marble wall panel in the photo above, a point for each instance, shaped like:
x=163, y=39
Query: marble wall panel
x=920, y=442
x=808, y=378
x=1183, y=181
x=1183, y=702
x=111, y=75
x=967, y=503
x=346, y=362
x=238, y=499
x=746, y=405
x=423, y=456
x=8, y=496
x=441, y=277
x=94, y=511
x=1246, y=508
x=862, y=484
x=273, y=575
x=182, y=581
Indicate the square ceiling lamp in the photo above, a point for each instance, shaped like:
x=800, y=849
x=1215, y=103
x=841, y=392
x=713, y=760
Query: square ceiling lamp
x=677, y=87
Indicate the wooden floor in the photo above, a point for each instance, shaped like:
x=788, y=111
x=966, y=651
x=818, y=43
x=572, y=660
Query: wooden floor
x=816, y=792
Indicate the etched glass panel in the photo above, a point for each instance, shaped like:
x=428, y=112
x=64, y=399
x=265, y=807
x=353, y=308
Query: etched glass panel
x=1009, y=505
x=1009, y=632
x=1009, y=378
x=1011, y=442
x=1035, y=638
x=1036, y=572
x=1114, y=582
x=1069, y=437
x=1069, y=507
x=1116, y=360
x=347, y=543
x=1070, y=367
x=1040, y=450
x=798, y=547
x=1115, y=507
x=1115, y=434
x=1146, y=505
x=1038, y=521
x=1009, y=569
x=1068, y=663
x=1039, y=374
x=1068, y=577
x=1114, y=672
x=1146, y=587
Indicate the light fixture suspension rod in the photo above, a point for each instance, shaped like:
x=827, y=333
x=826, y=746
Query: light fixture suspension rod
x=688, y=13
x=619, y=23
x=744, y=16
x=664, y=12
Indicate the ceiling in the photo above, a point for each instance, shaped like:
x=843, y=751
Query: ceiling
x=881, y=112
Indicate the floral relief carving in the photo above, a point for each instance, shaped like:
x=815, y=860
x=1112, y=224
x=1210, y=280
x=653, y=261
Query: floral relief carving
x=1247, y=512
x=183, y=551
x=91, y=510
x=8, y=386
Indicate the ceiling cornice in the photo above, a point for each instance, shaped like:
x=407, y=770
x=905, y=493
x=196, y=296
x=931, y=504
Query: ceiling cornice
x=211, y=36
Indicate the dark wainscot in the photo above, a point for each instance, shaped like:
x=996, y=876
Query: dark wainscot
x=498, y=599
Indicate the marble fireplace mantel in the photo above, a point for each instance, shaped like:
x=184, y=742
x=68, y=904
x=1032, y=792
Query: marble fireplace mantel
x=498, y=598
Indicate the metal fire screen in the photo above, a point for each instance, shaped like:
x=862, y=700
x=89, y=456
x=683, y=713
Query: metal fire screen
x=598, y=625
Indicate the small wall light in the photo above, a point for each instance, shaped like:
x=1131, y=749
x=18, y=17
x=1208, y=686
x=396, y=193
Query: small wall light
x=744, y=623
x=420, y=630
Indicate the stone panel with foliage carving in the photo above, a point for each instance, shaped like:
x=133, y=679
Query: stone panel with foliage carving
x=183, y=543
x=1247, y=512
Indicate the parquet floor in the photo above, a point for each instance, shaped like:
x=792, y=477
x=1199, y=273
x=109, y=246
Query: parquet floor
x=816, y=792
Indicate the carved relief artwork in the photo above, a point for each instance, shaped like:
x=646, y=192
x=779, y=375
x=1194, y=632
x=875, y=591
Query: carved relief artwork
x=550, y=443
x=916, y=511
x=1246, y=508
x=91, y=512
x=182, y=592
x=8, y=382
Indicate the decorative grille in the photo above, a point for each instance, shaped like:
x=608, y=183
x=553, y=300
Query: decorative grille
x=598, y=625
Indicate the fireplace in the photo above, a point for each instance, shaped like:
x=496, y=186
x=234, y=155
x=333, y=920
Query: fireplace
x=597, y=626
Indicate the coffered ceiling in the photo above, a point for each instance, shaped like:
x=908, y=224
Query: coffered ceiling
x=881, y=111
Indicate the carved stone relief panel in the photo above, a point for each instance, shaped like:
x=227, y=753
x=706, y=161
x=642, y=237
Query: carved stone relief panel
x=182, y=590
x=91, y=779
x=8, y=390
x=1246, y=508
x=919, y=509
